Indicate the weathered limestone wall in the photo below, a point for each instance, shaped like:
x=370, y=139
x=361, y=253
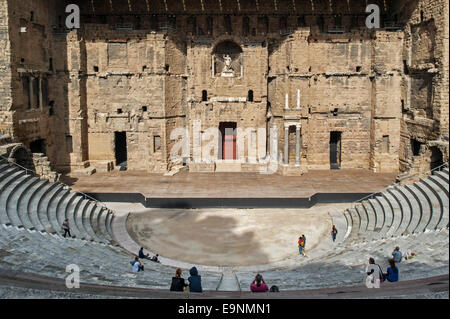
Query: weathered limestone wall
x=296, y=65
x=6, y=126
x=426, y=57
x=37, y=101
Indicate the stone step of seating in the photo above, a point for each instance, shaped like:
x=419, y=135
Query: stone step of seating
x=101, y=263
x=435, y=204
x=15, y=200
x=33, y=203
x=425, y=205
x=73, y=212
x=396, y=213
x=5, y=183
x=388, y=217
x=373, y=206
x=445, y=170
x=109, y=221
x=414, y=206
x=9, y=175
x=355, y=222
x=363, y=218
x=42, y=207
x=86, y=219
x=58, y=205
x=95, y=221
x=45, y=206
x=371, y=217
x=442, y=175
x=439, y=182
x=405, y=211
x=442, y=196
x=102, y=217
x=7, y=194
x=24, y=200
x=4, y=167
x=63, y=208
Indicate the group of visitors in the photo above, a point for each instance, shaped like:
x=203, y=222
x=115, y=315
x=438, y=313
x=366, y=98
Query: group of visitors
x=137, y=264
x=194, y=285
x=302, y=245
x=375, y=274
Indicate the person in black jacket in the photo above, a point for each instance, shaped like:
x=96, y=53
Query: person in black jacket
x=195, y=281
x=178, y=283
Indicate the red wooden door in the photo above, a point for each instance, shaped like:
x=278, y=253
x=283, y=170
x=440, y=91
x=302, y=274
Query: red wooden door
x=228, y=130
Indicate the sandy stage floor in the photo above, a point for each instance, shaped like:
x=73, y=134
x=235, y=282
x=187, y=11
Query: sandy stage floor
x=230, y=237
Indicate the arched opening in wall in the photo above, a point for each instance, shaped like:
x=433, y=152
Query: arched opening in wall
x=436, y=157
x=38, y=146
x=227, y=57
x=22, y=157
x=335, y=150
x=250, y=96
x=204, y=96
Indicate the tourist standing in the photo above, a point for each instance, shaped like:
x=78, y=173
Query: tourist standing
x=66, y=228
x=301, y=245
x=304, y=245
x=334, y=233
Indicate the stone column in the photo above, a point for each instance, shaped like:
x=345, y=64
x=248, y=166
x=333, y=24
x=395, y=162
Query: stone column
x=286, y=144
x=274, y=146
x=298, y=145
x=40, y=92
x=31, y=92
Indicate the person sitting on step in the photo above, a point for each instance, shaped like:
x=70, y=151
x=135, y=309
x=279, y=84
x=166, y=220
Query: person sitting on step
x=142, y=255
x=137, y=265
x=155, y=259
x=258, y=284
x=178, y=283
x=392, y=272
x=397, y=255
x=195, y=281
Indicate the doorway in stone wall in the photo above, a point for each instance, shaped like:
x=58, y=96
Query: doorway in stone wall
x=38, y=146
x=335, y=150
x=120, y=149
x=227, y=147
x=436, y=157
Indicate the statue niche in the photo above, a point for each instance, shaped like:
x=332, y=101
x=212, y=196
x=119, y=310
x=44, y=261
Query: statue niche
x=227, y=60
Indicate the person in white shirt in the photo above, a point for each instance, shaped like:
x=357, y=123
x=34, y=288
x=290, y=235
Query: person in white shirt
x=137, y=265
x=374, y=274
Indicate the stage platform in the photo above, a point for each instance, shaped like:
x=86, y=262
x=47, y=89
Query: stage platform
x=231, y=185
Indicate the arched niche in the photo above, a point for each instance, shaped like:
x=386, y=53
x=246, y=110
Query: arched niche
x=227, y=59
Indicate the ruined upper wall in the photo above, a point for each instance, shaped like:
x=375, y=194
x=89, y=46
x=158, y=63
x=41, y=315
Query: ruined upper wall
x=286, y=7
x=5, y=71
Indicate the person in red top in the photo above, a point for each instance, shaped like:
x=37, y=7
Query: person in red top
x=258, y=284
x=301, y=245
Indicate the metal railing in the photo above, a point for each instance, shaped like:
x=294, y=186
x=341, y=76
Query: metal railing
x=27, y=171
x=427, y=173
